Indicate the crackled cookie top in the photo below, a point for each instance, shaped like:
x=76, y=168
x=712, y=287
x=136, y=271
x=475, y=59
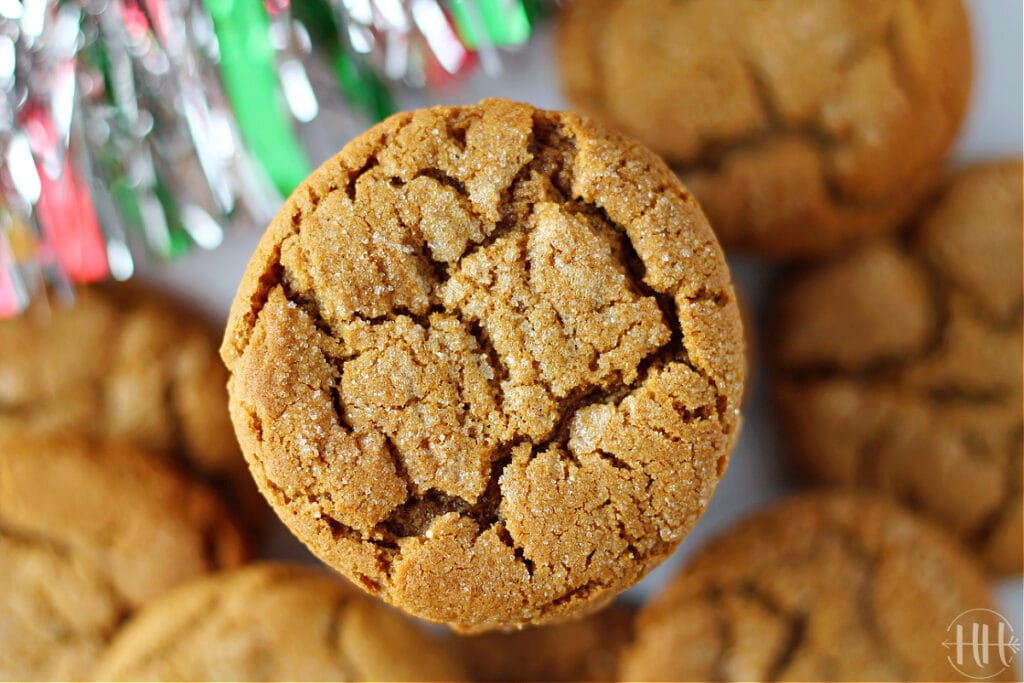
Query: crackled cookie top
x=900, y=366
x=800, y=125
x=822, y=587
x=272, y=622
x=487, y=362
x=89, y=530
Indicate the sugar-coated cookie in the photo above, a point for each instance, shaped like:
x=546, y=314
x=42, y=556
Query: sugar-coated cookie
x=800, y=125
x=487, y=362
x=828, y=586
x=89, y=531
x=273, y=622
x=899, y=366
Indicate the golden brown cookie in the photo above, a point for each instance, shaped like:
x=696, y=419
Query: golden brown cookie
x=88, y=532
x=584, y=649
x=272, y=622
x=487, y=362
x=800, y=125
x=125, y=363
x=826, y=586
x=898, y=367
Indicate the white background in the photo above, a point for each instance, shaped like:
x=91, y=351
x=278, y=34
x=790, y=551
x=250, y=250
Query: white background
x=757, y=473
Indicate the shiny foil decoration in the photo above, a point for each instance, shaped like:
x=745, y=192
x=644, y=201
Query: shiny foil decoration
x=134, y=130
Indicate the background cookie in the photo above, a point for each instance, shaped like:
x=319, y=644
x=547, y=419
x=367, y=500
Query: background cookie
x=88, y=532
x=827, y=586
x=584, y=649
x=487, y=362
x=271, y=622
x=798, y=124
x=126, y=363
x=898, y=367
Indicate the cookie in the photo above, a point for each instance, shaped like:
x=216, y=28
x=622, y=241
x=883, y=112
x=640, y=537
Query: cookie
x=898, y=367
x=580, y=650
x=125, y=363
x=88, y=532
x=487, y=363
x=825, y=586
x=272, y=622
x=800, y=125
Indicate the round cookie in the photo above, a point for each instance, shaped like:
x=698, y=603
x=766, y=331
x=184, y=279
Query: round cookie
x=899, y=366
x=125, y=363
x=272, y=622
x=88, y=532
x=826, y=586
x=800, y=125
x=487, y=362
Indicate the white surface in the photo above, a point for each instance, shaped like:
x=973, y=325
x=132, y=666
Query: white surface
x=757, y=472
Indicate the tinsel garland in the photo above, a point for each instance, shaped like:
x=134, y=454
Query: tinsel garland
x=135, y=129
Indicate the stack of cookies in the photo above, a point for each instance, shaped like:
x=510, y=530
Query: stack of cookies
x=488, y=364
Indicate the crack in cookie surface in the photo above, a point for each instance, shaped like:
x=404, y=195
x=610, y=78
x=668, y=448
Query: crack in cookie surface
x=821, y=586
x=470, y=316
x=815, y=105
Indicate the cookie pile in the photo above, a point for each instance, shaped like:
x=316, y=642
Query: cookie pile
x=816, y=132
x=899, y=365
x=127, y=512
x=118, y=476
x=487, y=363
